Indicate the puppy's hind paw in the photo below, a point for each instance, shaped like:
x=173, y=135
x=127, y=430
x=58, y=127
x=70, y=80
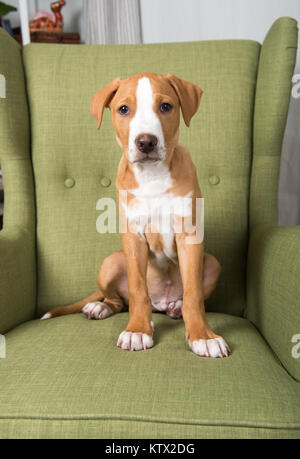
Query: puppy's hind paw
x=97, y=310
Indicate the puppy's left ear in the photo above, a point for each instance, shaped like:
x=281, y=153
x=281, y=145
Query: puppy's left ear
x=102, y=99
x=189, y=96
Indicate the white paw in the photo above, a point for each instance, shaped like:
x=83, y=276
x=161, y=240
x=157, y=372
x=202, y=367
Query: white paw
x=97, y=310
x=174, y=309
x=214, y=348
x=135, y=341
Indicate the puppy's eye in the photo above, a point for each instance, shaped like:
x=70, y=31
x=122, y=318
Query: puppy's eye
x=165, y=107
x=124, y=110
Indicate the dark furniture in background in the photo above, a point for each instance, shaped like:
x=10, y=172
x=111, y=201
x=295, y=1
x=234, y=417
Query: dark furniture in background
x=69, y=38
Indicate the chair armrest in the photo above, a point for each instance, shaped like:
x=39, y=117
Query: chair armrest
x=17, y=279
x=273, y=291
x=17, y=239
x=276, y=63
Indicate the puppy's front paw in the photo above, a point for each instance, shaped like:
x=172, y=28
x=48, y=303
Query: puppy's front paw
x=131, y=341
x=97, y=310
x=215, y=348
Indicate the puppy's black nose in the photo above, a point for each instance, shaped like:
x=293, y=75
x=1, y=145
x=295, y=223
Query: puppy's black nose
x=146, y=142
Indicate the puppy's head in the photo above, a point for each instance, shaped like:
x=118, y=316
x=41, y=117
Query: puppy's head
x=145, y=112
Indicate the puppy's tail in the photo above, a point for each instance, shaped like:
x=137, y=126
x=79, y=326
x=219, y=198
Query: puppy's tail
x=73, y=308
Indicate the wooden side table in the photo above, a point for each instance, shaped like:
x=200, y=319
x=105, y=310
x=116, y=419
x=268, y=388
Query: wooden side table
x=51, y=37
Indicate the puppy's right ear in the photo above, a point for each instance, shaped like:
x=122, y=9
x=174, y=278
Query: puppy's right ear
x=102, y=99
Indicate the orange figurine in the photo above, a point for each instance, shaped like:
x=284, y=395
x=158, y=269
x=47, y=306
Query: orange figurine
x=43, y=21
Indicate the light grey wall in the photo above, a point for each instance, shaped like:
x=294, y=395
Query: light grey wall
x=187, y=20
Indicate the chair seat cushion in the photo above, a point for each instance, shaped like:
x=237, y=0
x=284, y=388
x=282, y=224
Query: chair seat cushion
x=65, y=377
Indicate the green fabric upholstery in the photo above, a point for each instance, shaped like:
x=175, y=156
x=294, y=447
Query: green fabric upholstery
x=65, y=377
x=274, y=289
x=66, y=144
x=275, y=70
x=17, y=279
x=17, y=241
x=73, y=381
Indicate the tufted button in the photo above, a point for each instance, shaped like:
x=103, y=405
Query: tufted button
x=105, y=181
x=214, y=180
x=69, y=183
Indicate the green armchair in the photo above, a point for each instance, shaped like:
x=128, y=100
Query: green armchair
x=66, y=378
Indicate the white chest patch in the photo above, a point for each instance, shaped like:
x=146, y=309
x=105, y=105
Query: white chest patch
x=156, y=207
x=145, y=120
x=153, y=206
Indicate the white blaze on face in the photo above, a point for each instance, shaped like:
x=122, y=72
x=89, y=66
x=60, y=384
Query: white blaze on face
x=145, y=120
x=153, y=204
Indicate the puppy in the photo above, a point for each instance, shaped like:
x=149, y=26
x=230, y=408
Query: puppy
x=158, y=269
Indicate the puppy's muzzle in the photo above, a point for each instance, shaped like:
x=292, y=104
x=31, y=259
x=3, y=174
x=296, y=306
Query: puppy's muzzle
x=146, y=143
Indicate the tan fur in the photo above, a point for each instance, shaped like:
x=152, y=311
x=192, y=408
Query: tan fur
x=131, y=276
x=76, y=307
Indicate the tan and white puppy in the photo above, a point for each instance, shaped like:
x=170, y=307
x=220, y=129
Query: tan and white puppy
x=157, y=269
